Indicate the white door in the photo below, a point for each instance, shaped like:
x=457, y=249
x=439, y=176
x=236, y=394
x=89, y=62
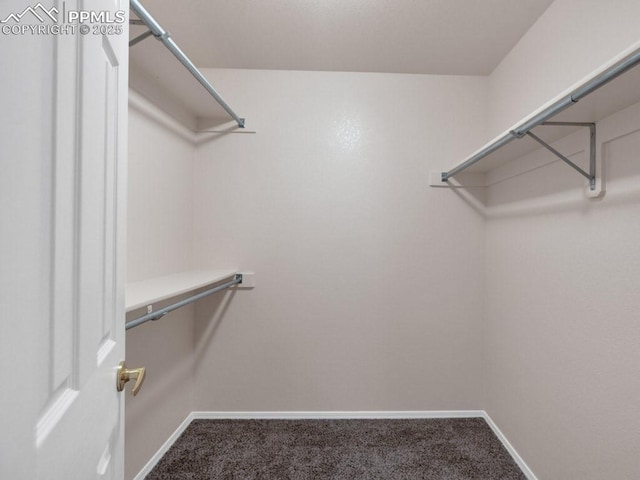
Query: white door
x=63, y=102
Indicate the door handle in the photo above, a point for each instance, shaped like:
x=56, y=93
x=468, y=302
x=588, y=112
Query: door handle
x=125, y=374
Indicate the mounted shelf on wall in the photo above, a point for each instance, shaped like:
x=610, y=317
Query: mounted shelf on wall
x=146, y=293
x=611, y=88
x=183, y=91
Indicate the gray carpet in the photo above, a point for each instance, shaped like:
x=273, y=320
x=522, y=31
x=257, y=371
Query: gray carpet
x=455, y=449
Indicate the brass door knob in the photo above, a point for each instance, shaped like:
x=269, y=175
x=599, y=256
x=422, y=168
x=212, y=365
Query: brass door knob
x=125, y=374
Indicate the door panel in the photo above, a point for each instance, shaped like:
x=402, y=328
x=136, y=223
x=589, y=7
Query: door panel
x=66, y=268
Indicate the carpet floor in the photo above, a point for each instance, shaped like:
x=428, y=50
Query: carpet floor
x=452, y=449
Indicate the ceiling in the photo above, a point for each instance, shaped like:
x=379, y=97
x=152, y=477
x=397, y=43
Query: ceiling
x=461, y=37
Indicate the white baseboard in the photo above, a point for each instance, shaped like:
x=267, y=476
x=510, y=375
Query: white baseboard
x=340, y=415
x=153, y=461
x=512, y=451
x=335, y=415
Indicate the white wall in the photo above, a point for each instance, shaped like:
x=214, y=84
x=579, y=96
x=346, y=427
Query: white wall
x=562, y=271
x=369, y=291
x=160, y=203
x=160, y=241
x=562, y=324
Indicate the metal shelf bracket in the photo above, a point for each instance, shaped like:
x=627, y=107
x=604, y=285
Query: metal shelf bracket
x=140, y=38
x=591, y=175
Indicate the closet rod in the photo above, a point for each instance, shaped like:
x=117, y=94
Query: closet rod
x=165, y=37
x=579, y=93
x=237, y=279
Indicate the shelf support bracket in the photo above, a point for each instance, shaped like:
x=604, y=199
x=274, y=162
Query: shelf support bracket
x=591, y=175
x=140, y=38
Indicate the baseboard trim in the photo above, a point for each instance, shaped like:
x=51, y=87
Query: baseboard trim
x=306, y=415
x=336, y=415
x=512, y=451
x=153, y=461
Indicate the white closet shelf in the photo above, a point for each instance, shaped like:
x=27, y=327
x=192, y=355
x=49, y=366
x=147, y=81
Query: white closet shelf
x=147, y=292
x=607, y=90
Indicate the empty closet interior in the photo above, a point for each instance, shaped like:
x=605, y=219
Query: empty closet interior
x=383, y=241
